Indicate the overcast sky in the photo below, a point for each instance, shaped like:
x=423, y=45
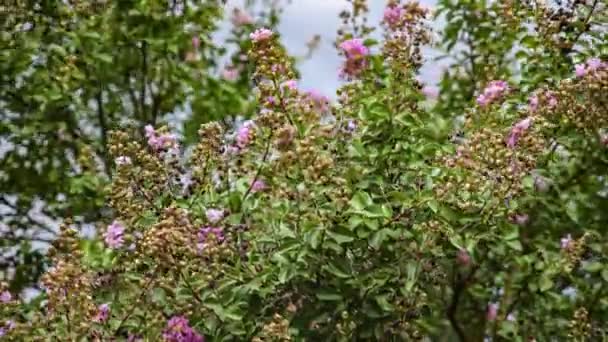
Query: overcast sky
x=303, y=19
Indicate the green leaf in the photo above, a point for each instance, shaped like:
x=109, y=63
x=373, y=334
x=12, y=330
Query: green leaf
x=341, y=235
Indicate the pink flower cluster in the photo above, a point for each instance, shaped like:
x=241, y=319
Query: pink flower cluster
x=214, y=215
x=319, y=101
x=260, y=35
x=258, y=185
x=244, y=135
x=292, y=85
x=355, y=53
x=517, y=131
x=5, y=297
x=114, y=235
x=534, y=101
x=179, y=330
x=493, y=92
x=203, y=233
x=592, y=66
x=159, y=142
x=392, y=16
x=566, y=243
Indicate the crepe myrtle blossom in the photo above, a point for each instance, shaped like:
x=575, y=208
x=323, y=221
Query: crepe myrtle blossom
x=244, y=134
x=392, y=15
x=258, y=185
x=290, y=84
x=463, y=257
x=214, y=215
x=591, y=66
x=260, y=35
x=355, y=53
x=114, y=235
x=430, y=92
x=205, y=232
x=179, y=330
x=103, y=312
x=517, y=131
x=5, y=297
x=158, y=142
x=566, y=242
x=493, y=92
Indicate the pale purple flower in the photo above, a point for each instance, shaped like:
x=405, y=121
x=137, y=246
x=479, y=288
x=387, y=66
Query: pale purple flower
x=240, y=18
x=258, y=185
x=158, y=142
x=580, y=70
x=492, y=312
x=214, y=215
x=320, y=101
x=551, y=100
x=261, y=34
x=271, y=100
x=518, y=130
x=511, y=317
x=5, y=297
x=179, y=330
x=244, y=134
x=114, y=235
x=351, y=126
x=392, y=16
x=103, y=312
x=230, y=74
x=493, y=92
x=123, y=160
x=594, y=64
x=566, y=242
x=204, y=233
x=290, y=84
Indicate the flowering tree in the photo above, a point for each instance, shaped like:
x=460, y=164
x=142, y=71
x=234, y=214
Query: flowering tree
x=65, y=84
x=373, y=224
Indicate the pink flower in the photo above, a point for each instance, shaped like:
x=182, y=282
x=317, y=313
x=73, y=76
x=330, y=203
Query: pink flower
x=241, y=18
x=355, y=53
x=203, y=235
x=196, y=42
x=521, y=219
x=230, y=74
x=493, y=92
x=244, y=134
x=354, y=48
x=179, y=330
x=290, y=84
x=566, y=242
x=103, y=312
x=160, y=142
x=214, y=215
x=258, y=185
x=533, y=104
x=580, y=70
x=594, y=64
x=492, y=311
x=320, y=101
x=261, y=34
x=517, y=131
x=392, y=16
x=5, y=297
x=114, y=235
